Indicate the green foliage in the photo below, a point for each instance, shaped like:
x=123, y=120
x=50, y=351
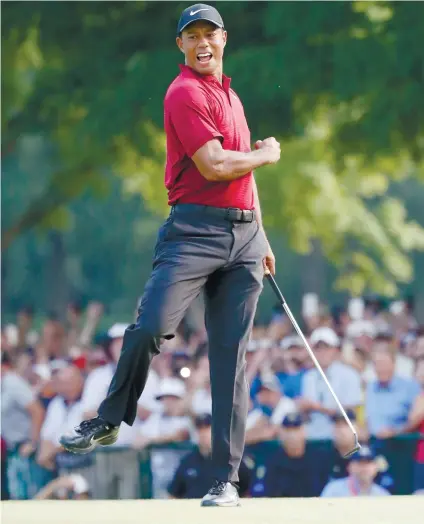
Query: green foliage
x=340, y=83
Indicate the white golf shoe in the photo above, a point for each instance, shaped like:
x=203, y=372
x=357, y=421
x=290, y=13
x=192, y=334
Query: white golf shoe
x=221, y=494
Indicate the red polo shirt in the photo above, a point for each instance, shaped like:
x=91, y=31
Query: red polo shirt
x=198, y=109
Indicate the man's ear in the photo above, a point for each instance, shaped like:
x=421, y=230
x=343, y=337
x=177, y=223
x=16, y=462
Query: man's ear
x=179, y=42
x=224, y=37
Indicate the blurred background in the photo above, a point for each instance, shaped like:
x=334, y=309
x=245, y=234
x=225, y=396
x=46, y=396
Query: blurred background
x=340, y=84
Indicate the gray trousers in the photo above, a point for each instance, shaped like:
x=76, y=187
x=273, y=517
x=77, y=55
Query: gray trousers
x=198, y=249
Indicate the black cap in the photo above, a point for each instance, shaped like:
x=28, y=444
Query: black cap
x=203, y=420
x=199, y=12
x=364, y=454
x=293, y=420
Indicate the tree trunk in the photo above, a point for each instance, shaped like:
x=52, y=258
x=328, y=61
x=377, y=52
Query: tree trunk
x=313, y=271
x=58, y=288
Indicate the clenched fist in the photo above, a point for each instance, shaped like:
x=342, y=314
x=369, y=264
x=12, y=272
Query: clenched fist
x=272, y=147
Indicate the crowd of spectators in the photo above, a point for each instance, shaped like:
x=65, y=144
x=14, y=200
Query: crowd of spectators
x=372, y=354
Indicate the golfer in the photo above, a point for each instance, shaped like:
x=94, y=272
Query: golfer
x=213, y=239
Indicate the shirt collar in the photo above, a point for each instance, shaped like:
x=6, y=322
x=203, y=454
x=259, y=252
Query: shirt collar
x=189, y=72
x=385, y=386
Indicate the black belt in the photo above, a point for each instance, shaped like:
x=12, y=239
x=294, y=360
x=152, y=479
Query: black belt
x=232, y=214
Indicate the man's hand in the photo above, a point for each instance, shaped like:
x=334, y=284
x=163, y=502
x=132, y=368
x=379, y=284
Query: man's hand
x=305, y=404
x=272, y=147
x=269, y=262
x=27, y=449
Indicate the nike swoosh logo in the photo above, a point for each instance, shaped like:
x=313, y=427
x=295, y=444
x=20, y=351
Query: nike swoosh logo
x=192, y=13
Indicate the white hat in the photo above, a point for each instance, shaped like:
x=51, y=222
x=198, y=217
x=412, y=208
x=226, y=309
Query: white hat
x=361, y=327
x=291, y=341
x=80, y=484
x=326, y=335
x=171, y=387
x=270, y=381
x=117, y=330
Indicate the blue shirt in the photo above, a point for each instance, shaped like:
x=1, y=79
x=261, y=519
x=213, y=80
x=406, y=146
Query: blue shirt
x=291, y=385
x=388, y=406
x=346, y=383
x=347, y=488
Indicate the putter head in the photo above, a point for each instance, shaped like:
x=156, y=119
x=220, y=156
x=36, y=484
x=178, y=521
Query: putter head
x=355, y=449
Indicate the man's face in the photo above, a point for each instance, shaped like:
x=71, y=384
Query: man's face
x=69, y=383
x=293, y=440
x=268, y=397
x=342, y=436
x=172, y=406
x=384, y=366
x=363, y=470
x=53, y=337
x=325, y=354
x=203, y=46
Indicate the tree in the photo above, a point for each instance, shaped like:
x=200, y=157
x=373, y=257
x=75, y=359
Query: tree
x=340, y=83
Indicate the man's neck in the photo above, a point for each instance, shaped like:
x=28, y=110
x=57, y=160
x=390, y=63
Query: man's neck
x=205, y=452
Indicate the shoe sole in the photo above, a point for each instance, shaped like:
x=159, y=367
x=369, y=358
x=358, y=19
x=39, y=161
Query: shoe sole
x=213, y=504
x=104, y=441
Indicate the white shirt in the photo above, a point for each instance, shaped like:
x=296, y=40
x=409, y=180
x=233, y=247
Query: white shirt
x=202, y=402
x=253, y=418
x=95, y=391
x=16, y=395
x=61, y=419
x=159, y=424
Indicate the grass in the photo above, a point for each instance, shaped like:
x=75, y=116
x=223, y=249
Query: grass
x=378, y=510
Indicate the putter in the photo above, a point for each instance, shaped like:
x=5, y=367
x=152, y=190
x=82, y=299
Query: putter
x=279, y=295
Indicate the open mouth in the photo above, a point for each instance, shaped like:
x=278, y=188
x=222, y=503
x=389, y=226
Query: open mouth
x=204, y=57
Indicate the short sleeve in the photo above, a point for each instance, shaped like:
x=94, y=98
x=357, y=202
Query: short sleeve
x=52, y=422
x=308, y=389
x=95, y=389
x=177, y=487
x=191, y=117
x=351, y=394
x=24, y=395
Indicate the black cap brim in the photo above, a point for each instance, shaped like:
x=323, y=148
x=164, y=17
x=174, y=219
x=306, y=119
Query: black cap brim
x=197, y=20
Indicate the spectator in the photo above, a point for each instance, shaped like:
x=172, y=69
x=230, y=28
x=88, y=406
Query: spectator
x=4, y=482
x=272, y=402
x=258, y=425
x=288, y=471
x=416, y=423
x=343, y=443
x=119, y=476
x=27, y=337
x=21, y=419
x=64, y=413
x=52, y=344
x=316, y=399
x=383, y=343
x=167, y=426
x=73, y=487
x=198, y=398
x=195, y=474
x=362, y=469
x=389, y=398
x=297, y=364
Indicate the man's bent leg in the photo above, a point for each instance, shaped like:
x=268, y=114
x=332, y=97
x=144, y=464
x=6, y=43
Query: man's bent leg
x=161, y=310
